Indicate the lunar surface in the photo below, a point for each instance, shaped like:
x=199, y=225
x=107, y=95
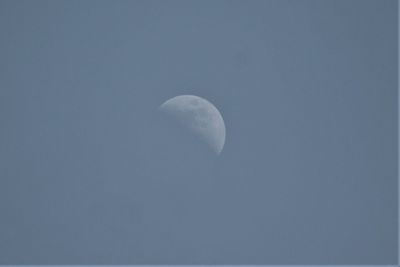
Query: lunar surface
x=200, y=116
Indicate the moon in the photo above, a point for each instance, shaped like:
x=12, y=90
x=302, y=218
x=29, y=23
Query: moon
x=200, y=116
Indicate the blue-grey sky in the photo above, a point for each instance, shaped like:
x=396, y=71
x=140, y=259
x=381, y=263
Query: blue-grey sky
x=92, y=173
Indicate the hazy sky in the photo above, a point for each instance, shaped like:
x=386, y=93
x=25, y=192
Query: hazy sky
x=92, y=173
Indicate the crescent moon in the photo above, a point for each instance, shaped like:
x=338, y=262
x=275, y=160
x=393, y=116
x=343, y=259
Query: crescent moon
x=200, y=116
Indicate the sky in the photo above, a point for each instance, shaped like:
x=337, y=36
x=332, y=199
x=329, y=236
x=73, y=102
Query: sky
x=92, y=173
